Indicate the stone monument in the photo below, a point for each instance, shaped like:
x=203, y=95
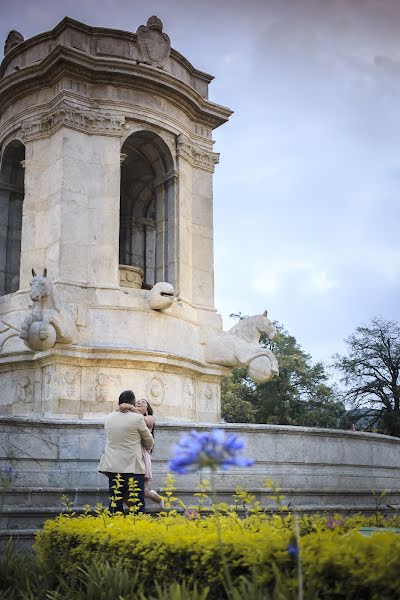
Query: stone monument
x=106, y=191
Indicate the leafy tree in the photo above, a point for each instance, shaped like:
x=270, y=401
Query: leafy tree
x=235, y=406
x=370, y=374
x=300, y=395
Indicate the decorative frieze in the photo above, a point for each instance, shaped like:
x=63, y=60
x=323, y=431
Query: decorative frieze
x=65, y=115
x=195, y=155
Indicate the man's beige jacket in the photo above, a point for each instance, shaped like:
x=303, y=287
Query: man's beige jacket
x=125, y=433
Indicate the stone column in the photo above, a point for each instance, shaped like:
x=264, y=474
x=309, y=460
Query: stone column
x=184, y=220
x=137, y=243
x=4, y=205
x=161, y=245
x=90, y=209
x=171, y=228
x=71, y=215
x=13, y=251
x=202, y=238
x=41, y=219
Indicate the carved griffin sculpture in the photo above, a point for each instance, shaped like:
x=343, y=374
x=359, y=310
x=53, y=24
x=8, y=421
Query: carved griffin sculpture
x=50, y=321
x=239, y=347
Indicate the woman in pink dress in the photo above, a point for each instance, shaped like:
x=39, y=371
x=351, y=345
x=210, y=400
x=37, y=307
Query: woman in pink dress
x=143, y=407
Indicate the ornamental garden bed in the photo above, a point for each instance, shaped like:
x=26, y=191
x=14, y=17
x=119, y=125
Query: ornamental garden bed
x=176, y=557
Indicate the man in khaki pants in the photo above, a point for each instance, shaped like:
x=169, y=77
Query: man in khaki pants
x=125, y=434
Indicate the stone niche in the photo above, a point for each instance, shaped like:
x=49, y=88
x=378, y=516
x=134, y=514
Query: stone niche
x=106, y=189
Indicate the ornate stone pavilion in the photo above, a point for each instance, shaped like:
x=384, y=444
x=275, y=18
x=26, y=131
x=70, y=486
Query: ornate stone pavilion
x=106, y=181
x=106, y=279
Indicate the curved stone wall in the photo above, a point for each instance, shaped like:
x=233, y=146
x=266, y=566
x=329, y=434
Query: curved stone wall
x=317, y=469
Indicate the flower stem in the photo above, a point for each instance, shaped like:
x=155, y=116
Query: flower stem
x=227, y=575
x=299, y=568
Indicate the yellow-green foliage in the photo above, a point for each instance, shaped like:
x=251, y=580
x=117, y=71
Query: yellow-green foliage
x=167, y=548
x=337, y=561
x=352, y=565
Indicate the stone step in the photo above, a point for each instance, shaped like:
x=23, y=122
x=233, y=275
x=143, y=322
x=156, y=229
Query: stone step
x=25, y=497
x=21, y=539
x=28, y=509
x=33, y=518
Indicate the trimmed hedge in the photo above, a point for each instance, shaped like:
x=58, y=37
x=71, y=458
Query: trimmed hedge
x=219, y=551
x=166, y=549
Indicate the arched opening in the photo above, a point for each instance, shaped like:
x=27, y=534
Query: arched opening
x=147, y=214
x=11, y=200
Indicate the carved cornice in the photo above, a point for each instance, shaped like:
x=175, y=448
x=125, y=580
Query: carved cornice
x=99, y=70
x=65, y=115
x=196, y=156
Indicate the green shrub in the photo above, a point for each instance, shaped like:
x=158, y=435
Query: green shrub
x=168, y=549
x=352, y=566
x=234, y=558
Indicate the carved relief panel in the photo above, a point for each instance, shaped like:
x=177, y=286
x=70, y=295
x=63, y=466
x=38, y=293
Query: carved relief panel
x=189, y=396
x=70, y=390
x=23, y=396
x=49, y=389
x=100, y=393
x=155, y=390
x=208, y=401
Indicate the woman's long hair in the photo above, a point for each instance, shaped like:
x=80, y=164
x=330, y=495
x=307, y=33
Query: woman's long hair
x=149, y=408
x=151, y=413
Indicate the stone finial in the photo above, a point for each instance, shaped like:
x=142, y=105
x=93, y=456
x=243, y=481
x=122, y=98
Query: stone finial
x=154, y=45
x=154, y=23
x=13, y=39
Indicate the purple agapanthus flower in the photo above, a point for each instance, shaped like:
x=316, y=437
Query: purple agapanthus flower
x=293, y=550
x=213, y=449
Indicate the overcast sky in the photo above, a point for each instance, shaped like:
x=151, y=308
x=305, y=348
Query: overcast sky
x=306, y=195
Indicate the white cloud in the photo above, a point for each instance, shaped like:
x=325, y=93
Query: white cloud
x=310, y=278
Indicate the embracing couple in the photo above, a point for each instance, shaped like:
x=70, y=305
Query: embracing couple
x=129, y=441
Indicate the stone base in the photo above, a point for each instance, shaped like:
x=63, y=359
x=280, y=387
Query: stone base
x=73, y=382
x=121, y=344
x=318, y=470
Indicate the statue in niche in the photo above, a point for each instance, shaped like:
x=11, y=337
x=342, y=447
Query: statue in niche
x=161, y=296
x=13, y=39
x=51, y=321
x=239, y=347
x=154, y=45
